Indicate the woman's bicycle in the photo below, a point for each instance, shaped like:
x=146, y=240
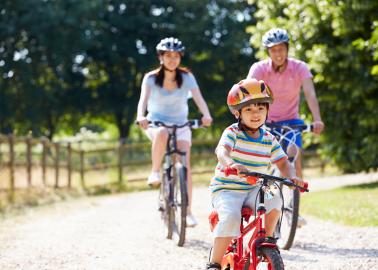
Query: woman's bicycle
x=287, y=135
x=252, y=249
x=173, y=195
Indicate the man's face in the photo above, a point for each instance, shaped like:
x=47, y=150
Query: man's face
x=278, y=54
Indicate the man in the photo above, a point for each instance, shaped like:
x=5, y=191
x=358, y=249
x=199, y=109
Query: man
x=286, y=77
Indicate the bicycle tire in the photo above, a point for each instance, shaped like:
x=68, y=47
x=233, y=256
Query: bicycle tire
x=270, y=258
x=181, y=203
x=167, y=212
x=288, y=227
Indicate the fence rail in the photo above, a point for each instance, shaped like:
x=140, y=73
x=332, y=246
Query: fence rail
x=27, y=162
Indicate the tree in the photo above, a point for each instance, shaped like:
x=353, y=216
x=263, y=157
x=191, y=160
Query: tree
x=339, y=41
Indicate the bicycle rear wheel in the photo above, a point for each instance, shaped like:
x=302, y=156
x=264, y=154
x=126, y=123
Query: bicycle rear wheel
x=180, y=203
x=288, y=227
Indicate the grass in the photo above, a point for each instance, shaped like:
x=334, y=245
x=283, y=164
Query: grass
x=351, y=205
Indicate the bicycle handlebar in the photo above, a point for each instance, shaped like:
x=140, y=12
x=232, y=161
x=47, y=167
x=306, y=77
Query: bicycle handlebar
x=285, y=181
x=302, y=128
x=193, y=124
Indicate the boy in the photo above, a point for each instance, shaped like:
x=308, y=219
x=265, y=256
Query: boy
x=244, y=146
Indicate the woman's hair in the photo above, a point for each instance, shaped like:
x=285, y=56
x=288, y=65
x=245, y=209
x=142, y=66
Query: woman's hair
x=159, y=73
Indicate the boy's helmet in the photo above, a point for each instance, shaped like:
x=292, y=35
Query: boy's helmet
x=274, y=37
x=170, y=44
x=248, y=91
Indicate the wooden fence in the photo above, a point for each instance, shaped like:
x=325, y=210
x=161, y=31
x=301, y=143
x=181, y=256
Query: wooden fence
x=27, y=162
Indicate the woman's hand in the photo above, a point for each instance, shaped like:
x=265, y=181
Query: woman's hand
x=142, y=121
x=206, y=121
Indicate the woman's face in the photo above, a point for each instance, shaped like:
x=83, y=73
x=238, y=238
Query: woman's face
x=278, y=54
x=171, y=60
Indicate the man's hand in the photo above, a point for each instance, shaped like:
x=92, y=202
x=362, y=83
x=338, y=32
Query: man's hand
x=318, y=127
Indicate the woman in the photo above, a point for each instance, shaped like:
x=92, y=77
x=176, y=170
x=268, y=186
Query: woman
x=164, y=94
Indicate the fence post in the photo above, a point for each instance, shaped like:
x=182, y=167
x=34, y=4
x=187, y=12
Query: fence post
x=69, y=166
x=44, y=154
x=57, y=152
x=82, y=169
x=11, y=167
x=29, y=160
x=120, y=164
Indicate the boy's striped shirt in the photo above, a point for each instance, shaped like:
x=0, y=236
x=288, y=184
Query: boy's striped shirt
x=255, y=154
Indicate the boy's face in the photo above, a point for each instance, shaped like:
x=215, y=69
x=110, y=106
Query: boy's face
x=254, y=115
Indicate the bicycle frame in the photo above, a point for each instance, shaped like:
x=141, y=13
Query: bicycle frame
x=237, y=256
x=287, y=226
x=173, y=190
x=171, y=156
x=257, y=240
x=283, y=134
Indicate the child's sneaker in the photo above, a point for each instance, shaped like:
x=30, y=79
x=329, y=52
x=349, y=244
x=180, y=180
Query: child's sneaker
x=213, y=266
x=190, y=221
x=154, y=179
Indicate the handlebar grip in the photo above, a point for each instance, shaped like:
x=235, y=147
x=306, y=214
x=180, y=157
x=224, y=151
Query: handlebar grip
x=305, y=187
x=228, y=171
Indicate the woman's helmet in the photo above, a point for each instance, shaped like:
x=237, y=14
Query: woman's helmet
x=170, y=44
x=274, y=37
x=248, y=91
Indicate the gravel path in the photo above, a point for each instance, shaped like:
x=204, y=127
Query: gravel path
x=125, y=232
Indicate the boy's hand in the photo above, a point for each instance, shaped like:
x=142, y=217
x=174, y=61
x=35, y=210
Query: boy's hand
x=298, y=182
x=240, y=168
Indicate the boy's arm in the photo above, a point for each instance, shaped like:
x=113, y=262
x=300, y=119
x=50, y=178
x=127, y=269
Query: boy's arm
x=223, y=155
x=288, y=171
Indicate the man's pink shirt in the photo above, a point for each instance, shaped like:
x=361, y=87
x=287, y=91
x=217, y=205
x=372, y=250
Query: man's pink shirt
x=286, y=86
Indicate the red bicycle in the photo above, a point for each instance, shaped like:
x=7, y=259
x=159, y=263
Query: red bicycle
x=257, y=252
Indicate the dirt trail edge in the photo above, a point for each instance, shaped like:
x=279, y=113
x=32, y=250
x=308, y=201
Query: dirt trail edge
x=125, y=232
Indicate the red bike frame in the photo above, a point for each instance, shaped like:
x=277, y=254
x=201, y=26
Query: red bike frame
x=236, y=255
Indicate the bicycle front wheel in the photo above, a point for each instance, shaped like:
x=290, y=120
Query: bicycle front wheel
x=180, y=203
x=269, y=259
x=288, y=227
x=165, y=204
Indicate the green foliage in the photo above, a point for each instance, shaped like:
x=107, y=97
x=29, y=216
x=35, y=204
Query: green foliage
x=66, y=62
x=339, y=41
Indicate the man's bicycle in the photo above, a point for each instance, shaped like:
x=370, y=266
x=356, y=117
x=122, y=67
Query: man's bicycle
x=252, y=249
x=173, y=195
x=287, y=135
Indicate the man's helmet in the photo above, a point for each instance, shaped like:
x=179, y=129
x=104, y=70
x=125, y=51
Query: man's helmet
x=248, y=91
x=274, y=37
x=170, y=44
